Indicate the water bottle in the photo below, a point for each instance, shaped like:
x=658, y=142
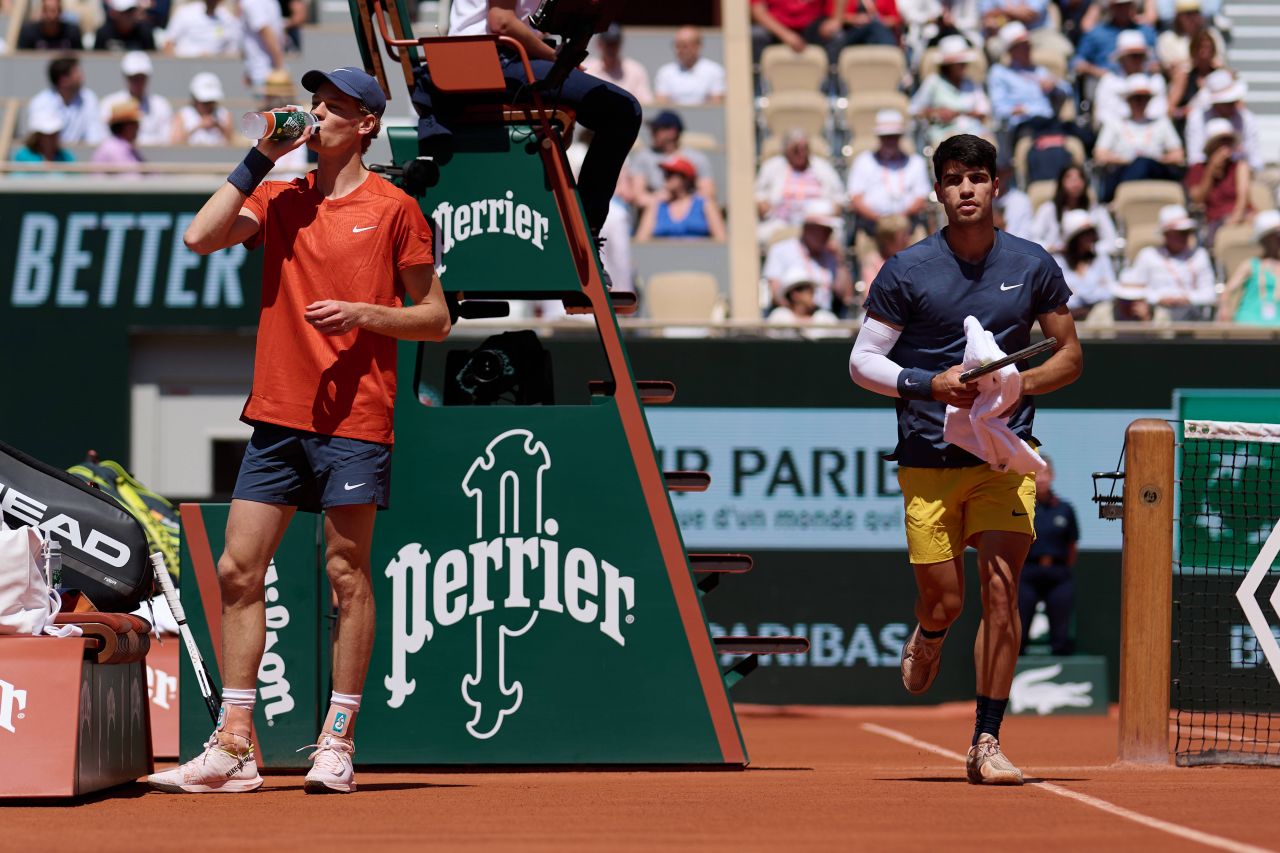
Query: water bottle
x=52, y=562
x=279, y=125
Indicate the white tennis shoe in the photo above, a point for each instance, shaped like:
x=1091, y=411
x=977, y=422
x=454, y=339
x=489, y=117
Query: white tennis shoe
x=217, y=770
x=987, y=765
x=331, y=771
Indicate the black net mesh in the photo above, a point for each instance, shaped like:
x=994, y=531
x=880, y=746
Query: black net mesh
x=1225, y=698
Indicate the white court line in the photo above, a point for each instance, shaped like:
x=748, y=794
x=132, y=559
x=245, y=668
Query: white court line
x=1185, y=832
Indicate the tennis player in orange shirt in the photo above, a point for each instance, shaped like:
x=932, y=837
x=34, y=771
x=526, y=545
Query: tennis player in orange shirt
x=347, y=271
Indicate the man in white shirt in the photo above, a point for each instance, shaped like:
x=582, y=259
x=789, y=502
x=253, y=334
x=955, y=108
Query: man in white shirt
x=608, y=63
x=1222, y=96
x=1176, y=278
x=787, y=182
x=202, y=29
x=813, y=252
x=887, y=180
x=76, y=105
x=1013, y=206
x=1132, y=56
x=1138, y=148
x=263, y=40
x=692, y=79
x=157, y=115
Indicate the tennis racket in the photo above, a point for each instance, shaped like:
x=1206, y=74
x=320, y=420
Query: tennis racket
x=1012, y=358
x=203, y=677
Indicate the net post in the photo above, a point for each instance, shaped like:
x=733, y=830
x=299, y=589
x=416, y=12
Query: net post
x=1146, y=592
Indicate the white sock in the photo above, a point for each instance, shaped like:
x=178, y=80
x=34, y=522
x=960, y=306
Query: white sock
x=240, y=698
x=346, y=700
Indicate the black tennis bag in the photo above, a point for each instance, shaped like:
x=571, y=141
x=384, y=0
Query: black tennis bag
x=104, y=548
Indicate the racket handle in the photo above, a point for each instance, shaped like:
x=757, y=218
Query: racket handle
x=166, y=587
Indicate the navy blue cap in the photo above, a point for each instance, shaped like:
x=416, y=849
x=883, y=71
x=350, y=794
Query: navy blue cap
x=354, y=82
x=668, y=118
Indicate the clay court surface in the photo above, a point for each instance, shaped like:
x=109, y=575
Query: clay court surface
x=833, y=779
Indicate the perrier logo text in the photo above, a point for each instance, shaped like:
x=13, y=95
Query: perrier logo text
x=458, y=223
x=515, y=542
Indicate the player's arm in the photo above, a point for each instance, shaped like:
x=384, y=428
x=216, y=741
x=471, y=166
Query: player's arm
x=427, y=319
x=504, y=21
x=1067, y=362
x=871, y=367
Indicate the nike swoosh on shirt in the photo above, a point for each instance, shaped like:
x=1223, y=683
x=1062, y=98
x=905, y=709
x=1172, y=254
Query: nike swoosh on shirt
x=349, y=487
x=355, y=230
x=1004, y=286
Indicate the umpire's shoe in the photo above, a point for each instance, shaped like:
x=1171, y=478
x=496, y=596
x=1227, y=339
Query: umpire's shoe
x=217, y=770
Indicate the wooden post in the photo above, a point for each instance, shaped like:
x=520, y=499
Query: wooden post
x=1146, y=592
x=740, y=163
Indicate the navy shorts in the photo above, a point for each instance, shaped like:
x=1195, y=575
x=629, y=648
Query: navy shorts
x=292, y=467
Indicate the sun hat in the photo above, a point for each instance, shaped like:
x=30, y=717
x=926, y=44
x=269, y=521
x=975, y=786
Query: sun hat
x=206, y=87
x=1074, y=222
x=1174, y=217
x=889, y=123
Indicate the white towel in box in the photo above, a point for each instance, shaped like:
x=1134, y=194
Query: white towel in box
x=980, y=430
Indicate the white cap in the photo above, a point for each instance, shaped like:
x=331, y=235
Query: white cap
x=1266, y=222
x=889, y=123
x=1075, y=221
x=46, y=121
x=1174, y=217
x=821, y=212
x=954, y=49
x=796, y=274
x=1130, y=41
x=135, y=62
x=1216, y=127
x=206, y=87
x=1137, y=84
x=122, y=5
x=1012, y=33
x=1131, y=285
x=1224, y=88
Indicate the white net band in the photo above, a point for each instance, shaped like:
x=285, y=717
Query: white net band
x=1232, y=431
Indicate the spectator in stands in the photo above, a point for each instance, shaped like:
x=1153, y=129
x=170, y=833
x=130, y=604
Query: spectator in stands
x=1130, y=292
x=126, y=28
x=1223, y=97
x=930, y=21
x=947, y=100
x=800, y=307
x=1166, y=11
x=295, y=14
x=76, y=105
x=1095, y=53
x=1178, y=278
x=120, y=147
x=1047, y=572
x=1024, y=96
x=1252, y=296
x=1219, y=186
x=664, y=140
x=1032, y=14
x=608, y=63
x=682, y=211
x=814, y=251
x=157, y=115
x=203, y=28
x=1186, y=78
x=1087, y=271
x=887, y=180
x=43, y=144
x=893, y=234
x=1138, y=148
x=795, y=23
x=1109, y=99
x=853, y=22
x=1173, y=47
x=204, y=121
x=1072, y=193
x=50, y=31
x=789, y=181
x=692, y=79
x=262, y=33
x=1013, y=206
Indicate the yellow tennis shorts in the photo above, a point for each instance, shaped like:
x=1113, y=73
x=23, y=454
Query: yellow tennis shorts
x=948, y=507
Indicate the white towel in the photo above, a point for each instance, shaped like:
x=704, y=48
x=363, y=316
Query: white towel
x=980, y=430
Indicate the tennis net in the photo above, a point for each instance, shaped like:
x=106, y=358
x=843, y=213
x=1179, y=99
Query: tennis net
x=1225, y=696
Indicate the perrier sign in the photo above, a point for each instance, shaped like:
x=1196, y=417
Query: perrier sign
x=525, y=611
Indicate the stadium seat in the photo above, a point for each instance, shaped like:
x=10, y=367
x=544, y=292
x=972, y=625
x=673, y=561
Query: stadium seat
x=860, y=114
x=676, y=297
x=699, y=141
x=1146, y=234
x=1232, y=246
x=871, y=68
x=784, y=70
x=977, y=70
x=1138, y=203
x=1041, y=191
x=1261, y=197
x=805, y=110
x=1054, y=60
x=786, y=232
x=772, y=146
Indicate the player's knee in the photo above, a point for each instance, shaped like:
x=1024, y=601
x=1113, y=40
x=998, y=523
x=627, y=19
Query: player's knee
x=943, y=610
x=349, y=581
x=240, y=581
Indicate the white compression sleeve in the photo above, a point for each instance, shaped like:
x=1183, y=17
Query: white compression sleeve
x=869, y=364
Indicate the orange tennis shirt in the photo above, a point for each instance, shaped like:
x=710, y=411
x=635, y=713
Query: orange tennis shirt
x=350, y=249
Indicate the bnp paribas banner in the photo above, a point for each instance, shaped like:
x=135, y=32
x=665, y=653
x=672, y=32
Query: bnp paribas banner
x=818, y=479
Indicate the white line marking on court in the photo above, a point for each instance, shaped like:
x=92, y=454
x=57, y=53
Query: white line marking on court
x=1186, y=832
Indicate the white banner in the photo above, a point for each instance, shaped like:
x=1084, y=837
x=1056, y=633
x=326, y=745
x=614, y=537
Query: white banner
x=815, y=479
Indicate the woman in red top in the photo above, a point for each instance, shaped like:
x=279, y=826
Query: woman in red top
x=1220, y=185
x=343, y=250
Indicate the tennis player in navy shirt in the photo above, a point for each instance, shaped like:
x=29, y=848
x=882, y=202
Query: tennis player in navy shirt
x=910, y=347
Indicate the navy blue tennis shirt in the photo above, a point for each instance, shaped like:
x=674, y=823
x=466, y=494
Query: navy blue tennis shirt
x=928, y=291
